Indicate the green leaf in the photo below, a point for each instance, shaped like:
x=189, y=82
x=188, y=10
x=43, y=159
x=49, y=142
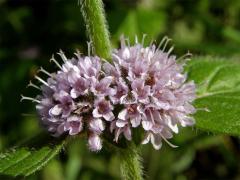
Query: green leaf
x=218, y=93
x=31, y=157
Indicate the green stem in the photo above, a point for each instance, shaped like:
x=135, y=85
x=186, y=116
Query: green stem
x=131, y=167
x=97, y=30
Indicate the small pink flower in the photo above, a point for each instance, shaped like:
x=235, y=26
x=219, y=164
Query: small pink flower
x=103, y=109
x=74, y=125
x=94, y=142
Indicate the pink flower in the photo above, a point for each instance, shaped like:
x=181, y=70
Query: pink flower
x=103, y=109
x=72, y=99
x=80, y=87
x=144, y=88
x=157, y=96
x=94, y=142
x=74, y=125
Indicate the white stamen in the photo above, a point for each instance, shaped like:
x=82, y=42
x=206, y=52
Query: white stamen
x=117, y=57
x=166, y=43
x=152, y=42
x=44, y=71
x=104, y=60
x=128, y=42
x=188, y=54
x=64, y=58
x=41, y=80
x=29, y=98
x=185, y=57
x=54, y=60
x=203, y=109
x=143, y=38
x=170, y=144
x=78, y=54
x=136, y=39
x=122, y=41
x=33, y=85
x=161, y=43
x=170, y=50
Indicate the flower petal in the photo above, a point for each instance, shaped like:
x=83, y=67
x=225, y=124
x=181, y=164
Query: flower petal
x=96, y=114
x=147, y=125
x=123, y=114
x=56, y=110
x=94, y=142
x=156, y=141
x=109, y=116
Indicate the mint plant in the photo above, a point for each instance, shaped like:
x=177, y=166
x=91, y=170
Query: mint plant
x=125, y=97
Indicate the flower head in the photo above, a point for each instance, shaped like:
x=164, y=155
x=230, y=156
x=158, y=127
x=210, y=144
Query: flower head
x=157, y=97
x=143, y=87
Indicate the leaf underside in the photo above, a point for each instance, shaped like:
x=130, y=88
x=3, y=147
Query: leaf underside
x=218, y=90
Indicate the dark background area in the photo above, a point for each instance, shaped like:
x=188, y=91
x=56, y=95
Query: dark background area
x=32, y=30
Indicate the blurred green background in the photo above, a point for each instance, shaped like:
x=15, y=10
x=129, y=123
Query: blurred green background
x=32, y=30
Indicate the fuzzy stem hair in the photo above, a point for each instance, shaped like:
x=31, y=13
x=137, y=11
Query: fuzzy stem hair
x=96, y=26
x=131, y=167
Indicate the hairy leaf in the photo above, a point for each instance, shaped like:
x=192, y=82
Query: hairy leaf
x=27, y=159
x=218, y=90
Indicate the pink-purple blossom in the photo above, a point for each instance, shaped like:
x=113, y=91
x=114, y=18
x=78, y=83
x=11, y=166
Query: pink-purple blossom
x=143, y=87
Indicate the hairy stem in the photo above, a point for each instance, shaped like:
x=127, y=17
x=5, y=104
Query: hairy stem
x=97, y=30
x=131, y=167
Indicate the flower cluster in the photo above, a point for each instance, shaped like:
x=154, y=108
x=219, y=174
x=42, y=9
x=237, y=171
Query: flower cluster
x=142, y=88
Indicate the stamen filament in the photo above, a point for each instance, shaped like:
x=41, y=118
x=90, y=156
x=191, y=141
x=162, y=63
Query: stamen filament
x=136, y=39
x=166, y=43
x=122, y=41
x=54, y=60
x=29, y=98
x=33, y=85
x=41, y=80
x=78, y=54
x=143, y=38
x=64, y=58
x=170, y=144
x=161, y=43
x=44, y=71
x=170, y=50
x=203, y=109
x=185, y=57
